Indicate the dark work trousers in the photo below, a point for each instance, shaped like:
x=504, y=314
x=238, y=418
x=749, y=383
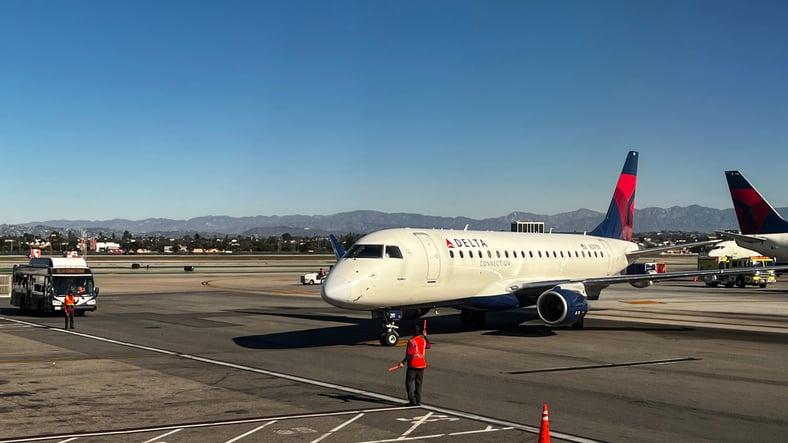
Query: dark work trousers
x=413, y=380
x=69, y=318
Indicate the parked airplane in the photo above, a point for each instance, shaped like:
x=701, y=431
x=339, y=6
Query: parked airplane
x=762, y=228
x=403, y=273
x=729, y=248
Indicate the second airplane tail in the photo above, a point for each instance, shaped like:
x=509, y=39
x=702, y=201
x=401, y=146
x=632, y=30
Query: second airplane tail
x=754, y=213
x=620, y=215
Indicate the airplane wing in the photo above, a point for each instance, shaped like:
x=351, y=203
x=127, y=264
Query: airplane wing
x=648, y=251
x=594, y=285
x=742, y=238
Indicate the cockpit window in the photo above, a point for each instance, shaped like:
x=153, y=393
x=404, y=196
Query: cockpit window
x=365, y=251
x=393, y=252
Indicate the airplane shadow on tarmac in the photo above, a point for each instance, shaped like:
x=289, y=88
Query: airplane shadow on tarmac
x=361, y=331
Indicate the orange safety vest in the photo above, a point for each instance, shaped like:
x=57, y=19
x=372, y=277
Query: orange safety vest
x=414, y=354
x=70, y=301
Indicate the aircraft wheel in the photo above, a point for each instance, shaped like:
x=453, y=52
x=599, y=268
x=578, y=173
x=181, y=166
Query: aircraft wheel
x=389, y=338
x=578, y=324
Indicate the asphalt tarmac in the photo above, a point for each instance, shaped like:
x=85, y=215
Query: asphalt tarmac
x=246, y=353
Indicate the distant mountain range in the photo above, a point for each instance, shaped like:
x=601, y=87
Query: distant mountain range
x=687, y=219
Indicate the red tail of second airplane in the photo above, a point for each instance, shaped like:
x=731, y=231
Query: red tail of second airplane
x=754, y=213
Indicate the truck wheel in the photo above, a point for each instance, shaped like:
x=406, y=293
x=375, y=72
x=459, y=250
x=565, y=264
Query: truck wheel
x=762, y=285
x=311, y=282
x=740, y=281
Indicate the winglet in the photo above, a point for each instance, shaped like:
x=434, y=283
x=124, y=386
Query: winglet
x=620, y=215
x=755, y=214
x=339, y=252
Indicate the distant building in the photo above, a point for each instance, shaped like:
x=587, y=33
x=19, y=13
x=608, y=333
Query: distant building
x=107, y=246
x=527, y=226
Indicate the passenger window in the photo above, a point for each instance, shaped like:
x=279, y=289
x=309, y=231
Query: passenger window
x=462, y=255
x=470, y=254
x=451, y=254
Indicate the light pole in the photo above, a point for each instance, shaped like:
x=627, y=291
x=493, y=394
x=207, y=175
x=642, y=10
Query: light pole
x=12, y=244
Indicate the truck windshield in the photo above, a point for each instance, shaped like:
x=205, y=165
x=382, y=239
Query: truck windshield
x=80, y=285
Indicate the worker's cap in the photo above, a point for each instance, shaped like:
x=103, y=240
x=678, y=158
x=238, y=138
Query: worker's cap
x=416, y=329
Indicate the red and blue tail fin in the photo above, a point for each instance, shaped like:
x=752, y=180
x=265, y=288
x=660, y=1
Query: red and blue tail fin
x=755, y=214
x=621, y=213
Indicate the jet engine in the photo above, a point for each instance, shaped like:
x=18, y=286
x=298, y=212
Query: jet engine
x=642, y=284
x=562, y=305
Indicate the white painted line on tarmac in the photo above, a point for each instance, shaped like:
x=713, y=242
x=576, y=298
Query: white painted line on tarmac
x=162, y=435
x=338, y=428
x=473, y=417
x=250, y=432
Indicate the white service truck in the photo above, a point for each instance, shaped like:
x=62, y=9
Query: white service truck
x=312, y=278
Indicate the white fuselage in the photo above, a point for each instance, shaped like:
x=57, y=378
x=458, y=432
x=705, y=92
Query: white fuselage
x=771, y=245
x=433, y=267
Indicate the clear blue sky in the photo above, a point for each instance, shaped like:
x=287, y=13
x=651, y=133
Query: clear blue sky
x=178, y=109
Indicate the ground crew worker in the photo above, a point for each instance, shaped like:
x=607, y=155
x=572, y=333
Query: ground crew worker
x=321, y=274
x=416, y=361
x=68, y=308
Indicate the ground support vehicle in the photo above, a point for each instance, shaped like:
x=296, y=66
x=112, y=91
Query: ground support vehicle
x=758, y=277
x=311, y=278
x=42, y=284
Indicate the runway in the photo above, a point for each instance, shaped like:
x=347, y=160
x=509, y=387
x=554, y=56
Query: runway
x=253, y=356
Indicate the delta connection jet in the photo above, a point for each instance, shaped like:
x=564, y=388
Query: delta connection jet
x=762, y=228
x=404, y=273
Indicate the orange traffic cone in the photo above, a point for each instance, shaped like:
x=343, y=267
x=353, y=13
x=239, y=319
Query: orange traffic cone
x=544, y=429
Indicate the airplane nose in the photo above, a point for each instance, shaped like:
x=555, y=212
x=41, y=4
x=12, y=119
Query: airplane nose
x=336, y=290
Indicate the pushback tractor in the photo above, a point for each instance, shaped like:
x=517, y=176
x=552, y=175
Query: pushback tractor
x=42, y=285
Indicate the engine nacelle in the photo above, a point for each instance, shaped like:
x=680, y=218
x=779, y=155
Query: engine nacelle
x=642, y=284
x=562, y=305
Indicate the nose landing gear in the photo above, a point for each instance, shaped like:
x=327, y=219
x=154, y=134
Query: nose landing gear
x=390, y=334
